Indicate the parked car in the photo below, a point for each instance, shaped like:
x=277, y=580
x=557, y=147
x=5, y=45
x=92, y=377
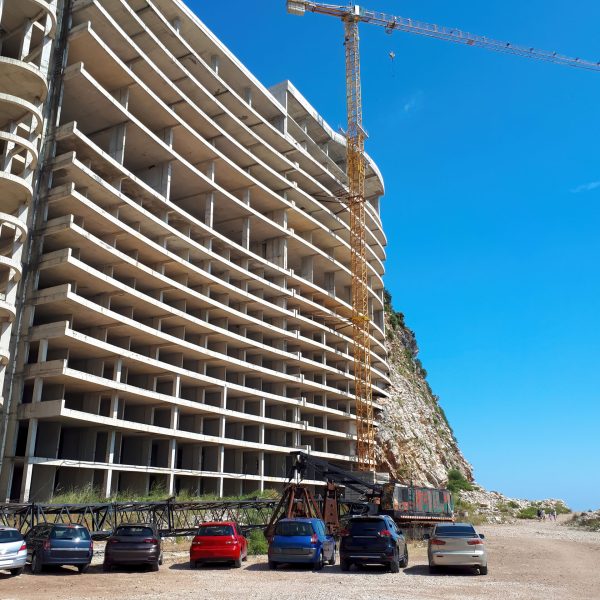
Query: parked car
x=13, y=550
x=301, y=541
x=373, y=540
x=218, y=542
x=456, y=545
x=58, y=544
x=133, y=544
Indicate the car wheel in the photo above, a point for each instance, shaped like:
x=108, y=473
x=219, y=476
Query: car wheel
x=16, y=572
x=36, y=565
x=433, y=569
x=160, y=559
x=344, y=565
x=237, y=563
x=106, y=567
x=483, y=570
x=272, y=565
x=83, y=568
x=395, y=564
x=404, y=561
x=154, y=567
x=193, y=564
x=320, y=562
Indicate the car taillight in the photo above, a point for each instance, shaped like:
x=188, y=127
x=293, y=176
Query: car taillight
x=114, y=541
x=23, y=547
x=435, y=542
x=150, y=541
x=474, y=542
x=91, y=545
x=314, y=539
x=385, y=533
x=344, y=533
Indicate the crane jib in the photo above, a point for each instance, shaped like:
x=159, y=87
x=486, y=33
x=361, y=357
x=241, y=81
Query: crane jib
x=396, y=23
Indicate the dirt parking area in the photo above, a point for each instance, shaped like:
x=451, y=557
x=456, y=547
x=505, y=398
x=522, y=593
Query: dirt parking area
x=527, y=561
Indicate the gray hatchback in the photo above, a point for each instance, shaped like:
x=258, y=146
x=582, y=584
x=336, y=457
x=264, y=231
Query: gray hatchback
x=13, y=551
x=456, y=545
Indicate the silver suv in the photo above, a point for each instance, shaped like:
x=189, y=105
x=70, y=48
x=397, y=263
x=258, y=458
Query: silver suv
x=13, y=550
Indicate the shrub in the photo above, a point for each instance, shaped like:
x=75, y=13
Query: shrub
x=513, y=504
x=528, y=513
x=257, y=542
x=457, y=482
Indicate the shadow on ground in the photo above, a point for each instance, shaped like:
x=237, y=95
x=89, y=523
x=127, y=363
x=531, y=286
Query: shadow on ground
x=452, y=571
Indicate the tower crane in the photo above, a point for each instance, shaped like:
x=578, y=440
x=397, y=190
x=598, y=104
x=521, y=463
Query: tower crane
x=351, y=16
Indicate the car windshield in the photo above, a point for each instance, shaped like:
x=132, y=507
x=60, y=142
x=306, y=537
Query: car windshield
x=215, y=530
x=132, y=531
x=367, y=526
x=455, y=531
x=290, y=528
x=10, y=535
x=68, y=532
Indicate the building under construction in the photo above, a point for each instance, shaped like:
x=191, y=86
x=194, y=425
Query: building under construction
x=175, y=272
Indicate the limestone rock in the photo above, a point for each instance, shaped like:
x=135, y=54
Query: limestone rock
x=415, y=443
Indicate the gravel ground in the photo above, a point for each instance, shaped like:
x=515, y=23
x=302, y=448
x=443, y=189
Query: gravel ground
x=528, y=561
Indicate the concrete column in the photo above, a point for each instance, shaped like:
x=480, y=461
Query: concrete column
x=116, y=145
x=172, y=463
x=210, y=170
x=246, y=233
x=248, y=95
x=307, y=267
x=277, y=252
x=177, y=387
x=209, y=210
x=214, y=63
x=26, y=40
x=330, y=282
x=29, y=453
x=261, y=468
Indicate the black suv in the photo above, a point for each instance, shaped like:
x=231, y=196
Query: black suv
x=373, y=540
x=58, y=544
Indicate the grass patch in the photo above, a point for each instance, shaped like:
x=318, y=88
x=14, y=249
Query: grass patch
x=92, y=495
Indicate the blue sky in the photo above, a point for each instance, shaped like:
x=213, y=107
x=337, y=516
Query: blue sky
x=492, y=211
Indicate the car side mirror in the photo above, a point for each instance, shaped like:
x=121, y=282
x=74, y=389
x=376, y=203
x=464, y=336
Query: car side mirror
x=482, y=536
x=426, y=536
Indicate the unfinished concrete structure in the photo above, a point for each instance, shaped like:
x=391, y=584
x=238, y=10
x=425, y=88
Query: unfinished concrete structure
x=179, y=322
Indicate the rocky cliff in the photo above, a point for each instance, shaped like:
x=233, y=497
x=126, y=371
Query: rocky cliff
x=414, y=440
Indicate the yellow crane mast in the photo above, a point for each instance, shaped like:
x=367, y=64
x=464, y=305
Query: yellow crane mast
x=352, y=15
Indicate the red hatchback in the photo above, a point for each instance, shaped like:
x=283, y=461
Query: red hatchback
x=218, y=542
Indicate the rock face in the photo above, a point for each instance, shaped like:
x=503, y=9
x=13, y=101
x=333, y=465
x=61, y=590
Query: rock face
x=415, y=443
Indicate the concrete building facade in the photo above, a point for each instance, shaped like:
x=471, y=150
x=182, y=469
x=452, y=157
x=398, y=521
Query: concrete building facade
x=174, y=259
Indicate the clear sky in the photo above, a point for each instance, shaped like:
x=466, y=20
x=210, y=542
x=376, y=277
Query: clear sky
x=492, y=211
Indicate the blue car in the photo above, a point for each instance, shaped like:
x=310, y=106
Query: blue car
x=301, y=541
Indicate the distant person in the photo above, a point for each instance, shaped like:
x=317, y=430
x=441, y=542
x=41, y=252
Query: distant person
x=539, y=514
x=543, y=515
x=554, y=514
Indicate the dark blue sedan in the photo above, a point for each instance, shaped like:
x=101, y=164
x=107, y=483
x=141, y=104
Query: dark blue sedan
x=301, y=541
